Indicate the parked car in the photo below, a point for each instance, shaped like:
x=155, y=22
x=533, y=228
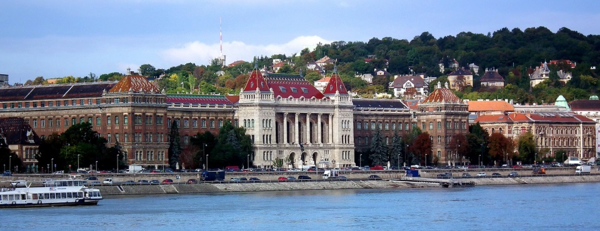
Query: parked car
x=91, y=178
x=254, y=179
x=342, y=178
x=243, y=179
x=154, y=182
x=95, y=183
x=496, y=174
x=143, y=182
x=7, y=173
x=466, y=175
x=303, y=177
x=192, y=181
x=513, y=174
x=129, y=182
x=108, y=181
x=291, y=178
x=481, y=174
x=167, y=181
x=444, y=175
x=282, y=178
x=234, y=179
x=374, y=177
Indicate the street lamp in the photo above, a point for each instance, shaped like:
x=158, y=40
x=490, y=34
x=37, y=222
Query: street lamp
x=425, y=160
x=207, y=162
x=51, y=163
x=47, y=168
x=117, y=164
x=96, y=166
x=203, y=148
x=405, y=152
x=10, y=163
x=360, y=161
x=248, y=161
x=398, y=161
x=77, y=162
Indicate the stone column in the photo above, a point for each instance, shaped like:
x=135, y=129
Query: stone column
x=330, y=138
x=296, y=140
x=285, y=132
x=308, y=128
x=319, y=129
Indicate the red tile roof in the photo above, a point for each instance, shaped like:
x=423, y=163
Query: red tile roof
x=490, y=106
x=198, y=99
x=256, y=81
x=292, y=85
x=440, y=95
x=335, y=85
x=236, y=63
x=562, y=117
x=136, y=83
x=585, y=105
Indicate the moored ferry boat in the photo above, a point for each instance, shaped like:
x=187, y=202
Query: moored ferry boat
x=58, y=193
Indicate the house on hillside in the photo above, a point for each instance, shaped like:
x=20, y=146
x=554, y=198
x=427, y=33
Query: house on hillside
x=409, y=87
x=491, y=78
x=321, y=83
x=324, y=61
x=460, y=78
x=542, y=72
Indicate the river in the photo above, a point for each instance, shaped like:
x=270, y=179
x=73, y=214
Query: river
x=515, y=207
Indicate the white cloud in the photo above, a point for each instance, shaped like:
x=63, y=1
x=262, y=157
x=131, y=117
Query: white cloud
x=202, y=53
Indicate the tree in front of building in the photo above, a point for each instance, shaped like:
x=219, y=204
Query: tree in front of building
x=421, y=147
x=459, y=147
x=378, y=149
x=233, y=147
x=174, y=145
x=477, y=138
x=204, y=144
x=396, y=150
x=9, y=159
x=527, y=147
x=499, y=148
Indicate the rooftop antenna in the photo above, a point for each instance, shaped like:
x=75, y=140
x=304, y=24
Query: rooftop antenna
x=221, y=42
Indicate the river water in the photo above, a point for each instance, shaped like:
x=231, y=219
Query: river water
x=516, y=207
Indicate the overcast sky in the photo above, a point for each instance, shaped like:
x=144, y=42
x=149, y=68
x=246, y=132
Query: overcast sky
x=72, y=37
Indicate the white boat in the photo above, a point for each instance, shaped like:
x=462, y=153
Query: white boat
x=59, y=193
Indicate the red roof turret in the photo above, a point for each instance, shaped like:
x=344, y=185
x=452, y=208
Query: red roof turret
x=335, y=84
x=256, y=81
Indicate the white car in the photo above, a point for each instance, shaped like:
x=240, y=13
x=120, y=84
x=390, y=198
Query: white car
x=108, y=181
x=481, y=174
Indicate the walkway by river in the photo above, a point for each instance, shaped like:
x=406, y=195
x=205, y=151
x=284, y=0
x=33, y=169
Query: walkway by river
x=513, y=207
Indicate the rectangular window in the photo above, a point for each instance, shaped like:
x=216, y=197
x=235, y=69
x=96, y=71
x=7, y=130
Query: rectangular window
x=195, y=123
x=108, y=138
x=220, y=123
x=98, y=121
x=117, y=120
x=203, y=123
x=108, y=122
x=125, y=120
x=439, y=125
x=430, y=125
x=43, y=123
x=50, y=121
x=373, y=125
x=97, y=101
x=393, y=126
x=117, y=137
x=35, y=123
x=89, y=101
x=89, y=120
x=212, y=124
x=358, y=126
x=126, y=137
x=80, y=102
x=186, y=123
x=50, y=104
x=58, y=123
x=159, y=120
x=138, y=119
x=387, y=126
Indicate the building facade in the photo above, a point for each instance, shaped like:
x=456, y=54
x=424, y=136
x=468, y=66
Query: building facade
x=289, y=119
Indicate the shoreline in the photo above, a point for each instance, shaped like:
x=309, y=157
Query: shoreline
x=417, y=182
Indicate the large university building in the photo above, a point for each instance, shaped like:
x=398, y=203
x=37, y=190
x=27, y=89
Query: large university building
x=286, y=117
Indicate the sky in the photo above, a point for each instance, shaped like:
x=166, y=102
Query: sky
x=75, y=38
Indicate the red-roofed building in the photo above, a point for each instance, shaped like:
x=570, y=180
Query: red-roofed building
x=322, y=83
x=443, y=115
x=552, y=131
x=288, y=118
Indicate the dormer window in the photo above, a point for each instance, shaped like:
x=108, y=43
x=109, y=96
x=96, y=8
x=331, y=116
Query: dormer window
x=304, y=89
x=282, y=89
x=294, y=89
x=251, y=84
